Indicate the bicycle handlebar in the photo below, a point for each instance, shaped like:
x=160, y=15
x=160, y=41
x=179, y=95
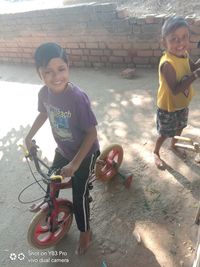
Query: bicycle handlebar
x=36, y=160
x=32, y=154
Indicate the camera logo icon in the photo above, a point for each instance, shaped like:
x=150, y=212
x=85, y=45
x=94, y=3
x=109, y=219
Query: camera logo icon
x=13, y=256
x=19, y=256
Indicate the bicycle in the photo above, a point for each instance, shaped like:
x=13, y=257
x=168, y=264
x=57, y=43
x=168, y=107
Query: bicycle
x=53, y=221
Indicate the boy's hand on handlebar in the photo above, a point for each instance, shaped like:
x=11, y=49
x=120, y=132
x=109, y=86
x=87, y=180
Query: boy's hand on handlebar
x=28, y=142
x=31, y=146
x=69, y=170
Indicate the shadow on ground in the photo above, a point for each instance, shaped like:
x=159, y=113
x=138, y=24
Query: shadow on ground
x=159, y=205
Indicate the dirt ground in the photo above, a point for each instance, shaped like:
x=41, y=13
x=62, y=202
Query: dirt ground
x=160, y=205
x=141, y=7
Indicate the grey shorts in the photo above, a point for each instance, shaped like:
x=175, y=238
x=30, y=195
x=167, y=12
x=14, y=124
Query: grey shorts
x=168, y=123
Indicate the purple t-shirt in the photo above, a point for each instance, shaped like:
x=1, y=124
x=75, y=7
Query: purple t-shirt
x=70, y=116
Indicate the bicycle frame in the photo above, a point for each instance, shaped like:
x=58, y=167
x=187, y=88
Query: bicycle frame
x=54, y=184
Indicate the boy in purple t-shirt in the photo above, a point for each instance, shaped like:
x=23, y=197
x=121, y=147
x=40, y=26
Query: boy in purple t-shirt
x=74, y=129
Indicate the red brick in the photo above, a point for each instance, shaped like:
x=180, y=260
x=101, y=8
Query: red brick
x=127, y=46
x=194, y=38
x=114, y=45
x=77, y=52
x=84, y=58
x=104, y=59
x=145, y=53
x=195, y=29
x=78, y=64
x=75, y=58
x=141, y=60
x=82, y=45
x=195, y=52
x=116, y=59
x=86, y=52
x=193, y=45
x=96, y=52
x=107, y=52
x=157, y=53
x=91, y=45
x=154, y=45
x=94, y=59
x=122, y=53
x=72, y=45
x=102, y=45
x=27, y=55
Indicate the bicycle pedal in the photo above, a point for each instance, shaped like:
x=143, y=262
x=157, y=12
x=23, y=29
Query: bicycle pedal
x=90, y=199
x=90, y=186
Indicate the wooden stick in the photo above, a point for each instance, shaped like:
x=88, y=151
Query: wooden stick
x=185, y=139
x=190, y=147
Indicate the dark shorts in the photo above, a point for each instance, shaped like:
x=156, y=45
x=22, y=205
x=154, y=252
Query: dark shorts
x=168, y=123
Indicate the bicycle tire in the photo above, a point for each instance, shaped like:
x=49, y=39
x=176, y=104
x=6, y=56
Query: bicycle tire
x=39, y=235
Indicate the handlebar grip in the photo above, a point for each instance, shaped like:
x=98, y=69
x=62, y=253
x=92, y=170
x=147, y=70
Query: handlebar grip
x=55, y=177
x=33, y=149
x=25, y=151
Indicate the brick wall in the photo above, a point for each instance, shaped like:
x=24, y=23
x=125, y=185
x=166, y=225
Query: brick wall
x=94, y=35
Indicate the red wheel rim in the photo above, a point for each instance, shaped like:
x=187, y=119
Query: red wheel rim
x=42, y=234
x=111, y=161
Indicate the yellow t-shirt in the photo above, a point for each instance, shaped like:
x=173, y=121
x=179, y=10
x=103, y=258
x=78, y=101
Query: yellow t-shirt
x=166, y=100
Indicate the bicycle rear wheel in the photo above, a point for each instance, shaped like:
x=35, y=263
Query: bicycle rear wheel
x=39, y=234
x=108, y=162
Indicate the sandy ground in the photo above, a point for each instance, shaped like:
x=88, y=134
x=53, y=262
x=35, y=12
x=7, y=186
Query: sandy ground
x=160, y=205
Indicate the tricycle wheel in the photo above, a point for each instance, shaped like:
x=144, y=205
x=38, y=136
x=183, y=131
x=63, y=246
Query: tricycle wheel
x=39, y=234
x=108, y=162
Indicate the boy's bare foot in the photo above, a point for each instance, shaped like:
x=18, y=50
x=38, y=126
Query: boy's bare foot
x=179, y=152
x=85, y=241
x=158, y=161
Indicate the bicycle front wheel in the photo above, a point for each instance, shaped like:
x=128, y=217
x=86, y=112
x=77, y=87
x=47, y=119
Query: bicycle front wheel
x=39, y=234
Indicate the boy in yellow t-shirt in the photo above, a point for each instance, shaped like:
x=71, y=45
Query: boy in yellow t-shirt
x=176, y=74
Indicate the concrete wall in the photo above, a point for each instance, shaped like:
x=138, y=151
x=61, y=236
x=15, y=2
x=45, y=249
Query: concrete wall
x=94, y=35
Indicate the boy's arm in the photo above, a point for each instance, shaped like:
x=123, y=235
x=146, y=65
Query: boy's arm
x=85, y=147
x=170, y=76
x=37, y=124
